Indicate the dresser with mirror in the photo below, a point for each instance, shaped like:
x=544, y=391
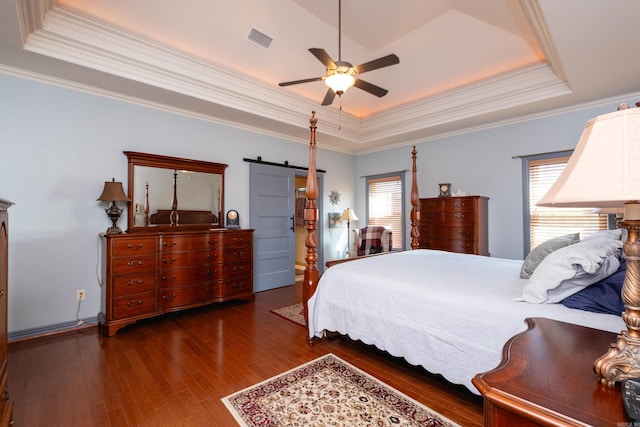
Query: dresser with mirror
x=176, y=253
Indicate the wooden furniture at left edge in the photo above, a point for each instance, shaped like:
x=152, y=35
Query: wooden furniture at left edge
x=6, y=405
x=146, y=274
x=311, y=276
x=546, y=378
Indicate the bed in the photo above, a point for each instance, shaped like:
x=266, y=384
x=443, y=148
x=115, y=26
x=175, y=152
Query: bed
x=449, y=313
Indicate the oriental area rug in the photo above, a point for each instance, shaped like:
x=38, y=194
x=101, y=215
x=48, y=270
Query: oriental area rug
x=294, y=313
x=328, y=392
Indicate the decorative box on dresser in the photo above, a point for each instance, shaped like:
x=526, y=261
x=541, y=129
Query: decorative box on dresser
x=454, y=224
x=6, y=405
x=146, y=274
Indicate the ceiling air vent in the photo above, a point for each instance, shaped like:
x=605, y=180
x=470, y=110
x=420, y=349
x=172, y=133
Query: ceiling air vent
x=260, y=38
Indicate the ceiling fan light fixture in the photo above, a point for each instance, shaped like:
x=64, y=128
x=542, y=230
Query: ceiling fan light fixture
x=341, y=75
x=340, y=81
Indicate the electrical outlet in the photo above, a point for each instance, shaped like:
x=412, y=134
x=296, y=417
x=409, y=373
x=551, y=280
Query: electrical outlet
x=81, y=295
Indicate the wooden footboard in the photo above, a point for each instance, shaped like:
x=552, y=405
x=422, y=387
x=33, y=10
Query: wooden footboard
x=311, y=276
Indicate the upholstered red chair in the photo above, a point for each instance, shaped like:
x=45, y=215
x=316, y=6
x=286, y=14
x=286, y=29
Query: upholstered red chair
x=371, y=239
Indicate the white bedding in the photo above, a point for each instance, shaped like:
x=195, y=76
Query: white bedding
x=450, y=313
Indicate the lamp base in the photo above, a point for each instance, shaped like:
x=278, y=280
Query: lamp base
x=622, y=360
x=113, y=212
x=114, y=230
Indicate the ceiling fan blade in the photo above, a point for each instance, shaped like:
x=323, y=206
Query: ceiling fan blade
x=328, y=98
x=385, y=61
x=371, y=88
x=297, y=82
x=323, y=57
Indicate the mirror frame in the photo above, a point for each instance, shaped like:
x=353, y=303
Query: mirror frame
x=175, y=163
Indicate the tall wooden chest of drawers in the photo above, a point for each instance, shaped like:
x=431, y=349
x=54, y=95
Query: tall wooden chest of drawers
x=6, y=405
x=146, y=274
x=454, y=224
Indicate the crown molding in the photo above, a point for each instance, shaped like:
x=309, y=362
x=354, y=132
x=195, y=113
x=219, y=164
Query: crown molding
x=507, y=91
x=87, y=42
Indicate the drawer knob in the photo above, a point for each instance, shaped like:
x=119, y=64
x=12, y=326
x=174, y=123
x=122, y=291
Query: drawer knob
x=130, y=303
x=134, y=262
x=135, y=248
x=171, y=261
x=167, y=298
x=132, y=282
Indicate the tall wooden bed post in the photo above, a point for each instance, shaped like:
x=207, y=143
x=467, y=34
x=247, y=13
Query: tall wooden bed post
x=415, y=213
x=310, y=282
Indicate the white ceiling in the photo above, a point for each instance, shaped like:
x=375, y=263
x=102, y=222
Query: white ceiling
x=463, y=63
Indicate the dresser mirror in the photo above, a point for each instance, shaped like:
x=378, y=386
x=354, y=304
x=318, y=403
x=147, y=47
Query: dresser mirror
x=171, y=192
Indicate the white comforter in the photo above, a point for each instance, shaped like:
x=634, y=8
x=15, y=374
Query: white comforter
x=450, y=313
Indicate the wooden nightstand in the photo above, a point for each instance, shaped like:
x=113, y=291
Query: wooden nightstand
x=546, y=378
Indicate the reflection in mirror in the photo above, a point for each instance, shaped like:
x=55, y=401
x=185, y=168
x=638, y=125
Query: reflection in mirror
x=170, y=192
x=158, y=192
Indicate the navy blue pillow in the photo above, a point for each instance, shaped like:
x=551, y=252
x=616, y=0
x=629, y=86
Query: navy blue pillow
x=603, y=296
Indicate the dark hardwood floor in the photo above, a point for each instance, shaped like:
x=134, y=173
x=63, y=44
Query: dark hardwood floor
x=174, y=370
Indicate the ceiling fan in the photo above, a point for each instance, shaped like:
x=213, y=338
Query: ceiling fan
x=341, y=75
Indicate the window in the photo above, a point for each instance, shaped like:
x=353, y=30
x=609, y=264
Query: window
x=385, y=204
x=543, y=223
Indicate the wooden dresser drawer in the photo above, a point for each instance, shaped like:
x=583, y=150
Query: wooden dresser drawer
x=237, y=286
x=134, y=246
x=170, y=298
x=458, y=204
x=455, y=233
x=171, y=243
x=187, y=276
x=128, y=265
x=431, y=217
x=236, y=270
x=137, y=305
x=459, y=218
x=133, y=284
x=430, y=205
x=232, y=254
x=237, y=238
x=185, y=259
x=450, y=245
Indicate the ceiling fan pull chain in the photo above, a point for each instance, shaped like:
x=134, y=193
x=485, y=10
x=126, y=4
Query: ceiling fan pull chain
x=339, y=30
x=340, y=114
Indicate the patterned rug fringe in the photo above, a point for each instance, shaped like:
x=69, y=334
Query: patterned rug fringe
x=328, y=391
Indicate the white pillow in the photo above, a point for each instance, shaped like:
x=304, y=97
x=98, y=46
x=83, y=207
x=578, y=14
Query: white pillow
x=605, y=234
x=572, y=268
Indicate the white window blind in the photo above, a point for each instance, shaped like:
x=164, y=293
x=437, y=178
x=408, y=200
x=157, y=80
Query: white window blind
x=546, y=222
x=385, y=205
